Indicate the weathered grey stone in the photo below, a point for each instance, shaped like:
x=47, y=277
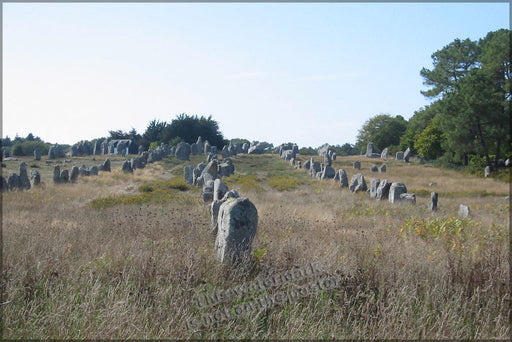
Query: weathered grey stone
x=399, y=156
x=374, y=184
x=433, y=201
x=395, y=191
x=74, y=174
x=25, y=182
x=407, y=154
x=237, y=225
x=56, y=151
x=383, y=190
x=219, y=189
x=5, y=153
x=93, y=170
x=212, y=169
x=307, y=164
x=207, y=148
x=183, y=151
x=224, y=170
x=384, y=153
x=357, y=183
x=83, y=171
x=127, y=167
x=255, y=149
x=189, y=174
x=292, y=162
x=73, y=152
x=36, y=177
x=106, y=165
x=342, y=178
x=201, y=166
x=374, y=168
x=215, y=206
x=324, y=150
x=137, y=163
x=56, y=174
x=195, y=149
x=140, y=149
x=14, y=182
x=382, y=169
x=288, y=154
x=464, y=211
x=487, y=171
x=327, y=160
x=245, y=147
x=408, y=198
x=96, y=149
x=196, y=174
x=314, y=168
x=37, y=154
x=432, y=184
x=357, y=165
x=507, y=162
x=64, y=176
x=333, y=156
x=328, y=173
x=208, y=190
x=369, y=150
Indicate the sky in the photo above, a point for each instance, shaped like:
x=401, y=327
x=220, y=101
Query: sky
x=308, y=73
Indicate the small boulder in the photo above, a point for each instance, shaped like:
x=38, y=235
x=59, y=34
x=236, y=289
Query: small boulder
x=357, y=165
x=395, y=191
x=464, y=211
x=358, y=183
x=433, y=201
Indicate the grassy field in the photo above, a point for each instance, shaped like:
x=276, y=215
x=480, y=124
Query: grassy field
x=124, y=255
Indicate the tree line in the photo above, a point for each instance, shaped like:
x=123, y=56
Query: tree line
x=468, y=121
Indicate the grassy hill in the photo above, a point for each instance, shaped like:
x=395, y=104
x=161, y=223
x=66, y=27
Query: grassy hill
x=125, y=255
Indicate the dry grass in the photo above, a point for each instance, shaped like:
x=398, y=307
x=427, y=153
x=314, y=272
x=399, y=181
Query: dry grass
x=131, y=270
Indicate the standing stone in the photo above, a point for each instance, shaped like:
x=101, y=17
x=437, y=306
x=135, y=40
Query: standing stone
x=36, y=177
x=357, y=165
x=127, y=167
x=237, y=224
x=369, y=150
x=208, y=190
x=74, y=174
x=399, y=156
x=195, y=149
x=196, y=173
x=224, y=170
x=328, y=173
x=215, y=206
x=307, y=164
x=219, y=189
x=207, y=147
x=487, y=171
x=314, y=169
x=64, y=176
x=408, y=198
x=374, y=168
x=93, y=170
x=211, y=169
x=384, y=153
x=73, y=151
x=183, y=151
x=357, y=183
x=37, y=154
x=14, y=182
x=382, y=169
x=189, y=175
x=507, y=162
x=433, y=201
x=327, y=160
x=395, y=191
x=407, y=154
x=5, y=186
x=96, y=150
x=383, y=190
x=106, y=165
x=25, y=182
x=56, y=174
x=342, y=175
x=464, y=211
x=5, y=153
x=333, y=156
x=141, y=149
x=374, y=184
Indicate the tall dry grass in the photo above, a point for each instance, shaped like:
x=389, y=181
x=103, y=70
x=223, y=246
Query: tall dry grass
x=132, y=271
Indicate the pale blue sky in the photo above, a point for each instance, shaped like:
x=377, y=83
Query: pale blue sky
x=301, y=72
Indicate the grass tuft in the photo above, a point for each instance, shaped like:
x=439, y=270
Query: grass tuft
x=283, y=182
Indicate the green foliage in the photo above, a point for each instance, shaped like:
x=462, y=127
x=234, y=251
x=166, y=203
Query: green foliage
x=347, y=149
x=308, y=151
x=452, y=231
x=177, y=183
x=153, y=145
x=189, y=127
x=383, y=130
x=156, y=196
x=428, y=142
x=27, y=148
x=283, y=182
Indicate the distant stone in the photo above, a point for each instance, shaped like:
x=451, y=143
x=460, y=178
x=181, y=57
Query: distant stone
x=307, y=164
x=327, y=160
x=74, y=174
x=5, y=185
x=395, y=191
x=237, y=224
x=408, y=198
x=382, y=169
x=189, y=174
x=127, y=167
x=328, y=173
x=487, y=171
x=369, y=150
x=464, y=211
x=374, y=168
x=14, y=182
x=56, y=174
x=384, y=153
x=407, y=154
x=432, y=184
x=25, y=182
x=36, y=177
x=343, y=179
x=64, y=176
x=383, y=190
x=358, y=183
x=183, y=151
x=93, y=170
x=433, y=201
x=37, y=154
x=374, y=184
x=399, y=156
x=357, y=165
x=507, y=163
x=106, y=165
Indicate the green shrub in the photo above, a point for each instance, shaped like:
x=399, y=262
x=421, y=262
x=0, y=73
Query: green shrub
x=283, y=182
x=245, y=182
x=177, y=183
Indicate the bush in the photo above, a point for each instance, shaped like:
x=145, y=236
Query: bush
x=27, y=148
x=283, y=182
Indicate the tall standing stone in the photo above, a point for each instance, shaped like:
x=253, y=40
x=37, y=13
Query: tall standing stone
x=487, y=171
x=384, y=153
x=219, y=189
x=395, y=191
x=37, y=154
x=14, y=182
x=106, y=165
x=36, y=177
x=374, y=168
x=357, y=165
x=383, y=190
x=127, y=167
x=25, y=182
x=407, y=154
x=382, y=168
x=183, y=151
x=189, y=174
x=56, y=174
x=237, y=224
x=433, y=201
x=399, y=156
x=74, y=174
x=374, y=184
x=369, y=150
x=5, y=186
x=64, y=176
x=343, y=178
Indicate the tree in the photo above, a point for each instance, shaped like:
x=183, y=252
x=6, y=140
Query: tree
x=428, y=142
x=189, y=128
x=382, y=130
x=153, y=132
